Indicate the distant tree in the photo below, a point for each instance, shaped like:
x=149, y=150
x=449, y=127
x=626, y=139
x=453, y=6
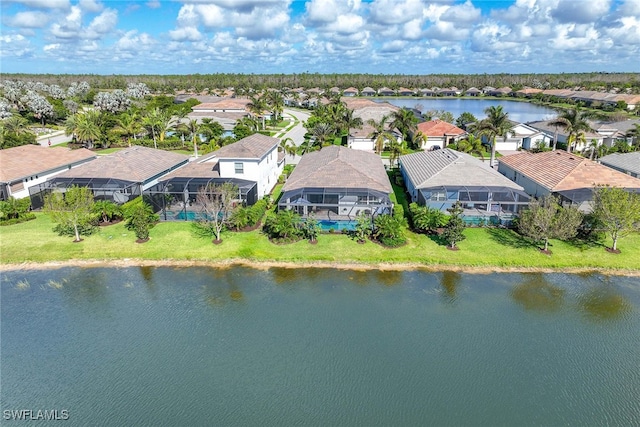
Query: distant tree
x=454, y=230
x=349, y=121
x=473, y=145
x=113, y=102
x=405, y=121
x=288, y=147
x=218, y=203
x=465, y=119
x=128, y=125
x=244, y=127
x=71, y=209
x=545, y=219
x=617, y=212
x=634, y=133
x=38, y=105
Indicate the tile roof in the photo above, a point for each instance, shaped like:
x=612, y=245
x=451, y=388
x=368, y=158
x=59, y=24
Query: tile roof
x=547, y=127
x=29, y=160
x=135, y=164
x=194, y=170
x=224, y=104
x=252, y=147
x=559, y=171
x=339, y=167
x=627, y=161
x=439, y=128
x=448, y=167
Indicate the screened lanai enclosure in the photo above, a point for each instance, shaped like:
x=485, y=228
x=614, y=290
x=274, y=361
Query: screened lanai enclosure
x=114, y=190
x=336, y=204
x=495, y=205
x=175, y=199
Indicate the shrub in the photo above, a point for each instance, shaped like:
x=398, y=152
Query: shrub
x=23, y=218
x=283, y=226
x=427, y=219
x=140, y=217
x=389, y=230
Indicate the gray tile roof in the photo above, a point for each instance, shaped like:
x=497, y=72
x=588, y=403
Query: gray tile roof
x=135, y=164
x=339, y=167
x=629, y=161
x=29, y=160
x=451, y=168
x=254, y=146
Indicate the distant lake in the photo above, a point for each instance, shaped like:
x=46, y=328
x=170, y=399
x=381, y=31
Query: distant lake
x=282, y=347
x=518, y=111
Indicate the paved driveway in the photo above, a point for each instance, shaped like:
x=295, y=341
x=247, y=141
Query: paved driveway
x=297, y=132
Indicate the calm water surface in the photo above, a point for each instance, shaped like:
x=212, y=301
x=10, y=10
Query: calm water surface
x=518, y=111
x=201, y=346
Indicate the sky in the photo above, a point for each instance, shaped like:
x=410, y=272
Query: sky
x=319, y=36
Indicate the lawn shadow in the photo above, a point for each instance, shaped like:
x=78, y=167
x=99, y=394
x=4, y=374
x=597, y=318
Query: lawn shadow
x=588, y=242
x=437, y=239
x=508, y=237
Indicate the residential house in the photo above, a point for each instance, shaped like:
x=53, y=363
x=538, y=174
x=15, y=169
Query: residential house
x=253, y=164
x=427, y=92
x=335, y=90
x=523, y=136
x=118, y=177
x=336, y=184
x=527, y=92
x=472, y=91
x=28, y=165
x=440, y=178
x=503, y=91
x=350, y=92
x=226, y=111
x=452, y=91
x=628, y=163
x=366, y=109
x=385, y=91
x=558, y=133
x=439, y=134
x=367, y=91
x=403, y=91
x=570, y=177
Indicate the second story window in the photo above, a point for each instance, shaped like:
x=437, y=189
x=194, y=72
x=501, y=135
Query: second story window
x=239, y=167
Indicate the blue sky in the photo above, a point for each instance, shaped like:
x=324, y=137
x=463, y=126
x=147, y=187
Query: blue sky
x=324, y=36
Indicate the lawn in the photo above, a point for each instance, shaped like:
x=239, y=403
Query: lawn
x=34, y=241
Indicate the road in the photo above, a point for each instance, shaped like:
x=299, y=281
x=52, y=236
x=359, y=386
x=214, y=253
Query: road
x=296, y=133
x=56, y=138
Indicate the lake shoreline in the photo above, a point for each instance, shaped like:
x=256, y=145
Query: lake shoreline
x=265, y=265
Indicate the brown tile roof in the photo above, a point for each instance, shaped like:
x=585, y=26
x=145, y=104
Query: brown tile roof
x=439, y=128
x=135, y=164
x=30, y=160
x=339, y=167
x=223, y=104
x=194, y=170
x=561, y=171
x=252, y=147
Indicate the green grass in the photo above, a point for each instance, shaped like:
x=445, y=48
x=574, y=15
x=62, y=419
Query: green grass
x=34, y=241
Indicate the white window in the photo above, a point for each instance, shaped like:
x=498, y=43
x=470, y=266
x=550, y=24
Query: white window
x=239, y=167
x=438, y=196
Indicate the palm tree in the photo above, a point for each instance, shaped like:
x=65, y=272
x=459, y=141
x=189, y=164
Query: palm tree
x=256, y=107
x=87, y=127
x=634, y=133
x=128, y=124
x=192, y=128
x=380, y=133
x=496, y=124
x=151, y=123
x=396, y=149
x=288, y=147
x=275, y=100
x=350, y=122
x=212, y=129
x=405, y=121
x=418, y=140
x=574, y=122
x=321, y=132
x=471, y=144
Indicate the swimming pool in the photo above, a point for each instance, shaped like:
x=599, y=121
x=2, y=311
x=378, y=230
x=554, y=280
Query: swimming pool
x=327, y=225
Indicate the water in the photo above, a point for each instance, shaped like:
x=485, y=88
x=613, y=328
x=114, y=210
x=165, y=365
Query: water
x=521, y=112
x=201, y=346
x=327, y=225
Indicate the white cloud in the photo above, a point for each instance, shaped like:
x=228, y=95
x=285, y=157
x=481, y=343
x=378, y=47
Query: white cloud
x=185, y=33
x=90, y=5
x=53, y=46
x=43, y=4
x=28, y=20
x=580, y=12
x=395, y=11
x=326, y=11
x=461, y=14
x=103, y=23
x=153, y=4
x=70, y=25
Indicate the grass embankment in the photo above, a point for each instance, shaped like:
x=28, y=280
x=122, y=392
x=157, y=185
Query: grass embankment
x=34, y=241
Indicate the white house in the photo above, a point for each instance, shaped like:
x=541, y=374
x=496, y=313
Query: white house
x=523, y=136
x=29, y=165
x=254, y=158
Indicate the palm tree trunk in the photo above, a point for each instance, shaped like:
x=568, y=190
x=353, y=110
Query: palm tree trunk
x=493, y=152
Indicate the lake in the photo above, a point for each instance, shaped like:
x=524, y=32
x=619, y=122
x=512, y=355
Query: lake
x=522, y=112
x=240, y=347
